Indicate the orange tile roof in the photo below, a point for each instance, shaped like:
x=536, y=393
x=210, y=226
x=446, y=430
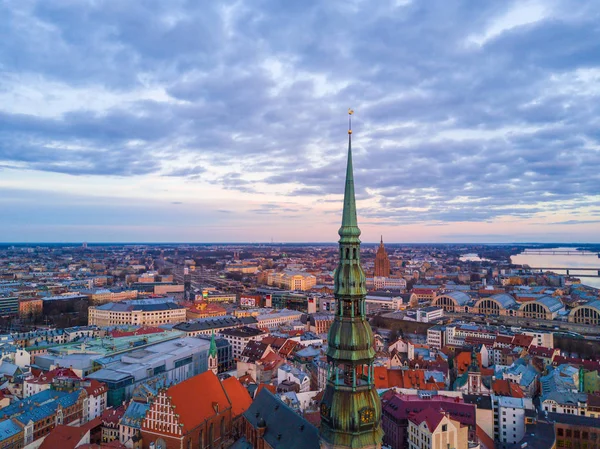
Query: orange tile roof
x=238, y=396
x=288, y=347
x=95, y=388
x=504, y=387
x=462, y=361
x=269, y=387
x=195, y=399
x=247, y=379
x=271, y=361
x=381, y=377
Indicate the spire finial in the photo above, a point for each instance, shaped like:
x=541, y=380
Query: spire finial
x=350, y=112
x=382, y=239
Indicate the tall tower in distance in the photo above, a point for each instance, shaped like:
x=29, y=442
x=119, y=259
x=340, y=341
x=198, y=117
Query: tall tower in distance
x=382, y=261
x=351, y=408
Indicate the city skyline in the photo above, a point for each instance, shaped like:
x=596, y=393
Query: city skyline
x=176, y=123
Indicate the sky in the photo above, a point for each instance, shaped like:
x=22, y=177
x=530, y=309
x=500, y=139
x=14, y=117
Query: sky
x=191, y=121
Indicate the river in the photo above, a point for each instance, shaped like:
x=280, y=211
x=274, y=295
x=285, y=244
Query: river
x=562, y=260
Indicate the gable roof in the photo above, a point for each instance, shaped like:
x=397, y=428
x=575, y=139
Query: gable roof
x=504, y=387
x=238, y=396
x=196, y=397
x=428, y=415
x=65, y=437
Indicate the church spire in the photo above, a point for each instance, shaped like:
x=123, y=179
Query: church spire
x=349, y=227
x=350, y=408
x=213, y=357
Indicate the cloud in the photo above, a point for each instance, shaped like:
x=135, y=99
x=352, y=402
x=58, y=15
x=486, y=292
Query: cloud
x=465, y=111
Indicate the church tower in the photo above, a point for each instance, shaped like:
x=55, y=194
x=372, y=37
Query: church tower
x=351, y=408
x=213, y=357
x=382, y=261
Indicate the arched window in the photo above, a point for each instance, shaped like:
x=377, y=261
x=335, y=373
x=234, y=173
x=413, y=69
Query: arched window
x=347, y=253
x=222, y=429
x=354, y=253
x=211, y=435
x=201, y=439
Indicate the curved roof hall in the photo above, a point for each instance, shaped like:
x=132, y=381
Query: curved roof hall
x=504, y=299
x=552, y=303
x=460, y=297
x=592, y=304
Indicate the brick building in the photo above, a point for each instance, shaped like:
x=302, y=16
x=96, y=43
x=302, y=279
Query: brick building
x=197, y=413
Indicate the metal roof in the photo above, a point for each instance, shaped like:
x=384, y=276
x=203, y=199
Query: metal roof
x=504, y=299
x=551, y=302
x=593, y=304
x=284, y=428
x=460, y=297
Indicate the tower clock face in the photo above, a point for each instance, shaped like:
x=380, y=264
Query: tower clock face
x=367, y=415
x=160, y=444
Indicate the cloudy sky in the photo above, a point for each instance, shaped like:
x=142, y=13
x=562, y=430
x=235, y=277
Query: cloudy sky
x=152, y=120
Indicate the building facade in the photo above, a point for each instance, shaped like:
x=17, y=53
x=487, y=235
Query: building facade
x=434, y=430
x=382, y=262
x=140, y=313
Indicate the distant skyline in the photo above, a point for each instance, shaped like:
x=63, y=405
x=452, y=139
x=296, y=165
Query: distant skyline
x=475, y=121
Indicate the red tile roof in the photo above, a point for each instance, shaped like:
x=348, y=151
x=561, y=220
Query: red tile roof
x=113, y=415
x=196, y=398
x=57, y=373
x=95, y=388
x=288, y=348
x=271, y=361
x=404, y=378
x=541, y=351
x=63, y=437
x=269, y=387
x=238, y=396
x=504, y=387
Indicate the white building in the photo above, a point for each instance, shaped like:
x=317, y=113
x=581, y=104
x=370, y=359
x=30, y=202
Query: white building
x=386, y=283
x=509, y=418
x=429, y=314
x=545, y=339
x=96, y=399
x=567, y=402
x=278, y=318
x=140, y=312
x=239, y=337
x=435, y=336
x=384, y=302
x=292, y=374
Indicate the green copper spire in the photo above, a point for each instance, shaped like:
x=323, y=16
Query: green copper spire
x=351, y=408
x=212, y=352
x=349, y=229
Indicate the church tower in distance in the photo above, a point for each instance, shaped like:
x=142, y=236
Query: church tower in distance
x=382, y=261
x=351, y=408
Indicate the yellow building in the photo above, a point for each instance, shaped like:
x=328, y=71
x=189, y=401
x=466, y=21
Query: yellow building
x=103, y=296
x=292, y=280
